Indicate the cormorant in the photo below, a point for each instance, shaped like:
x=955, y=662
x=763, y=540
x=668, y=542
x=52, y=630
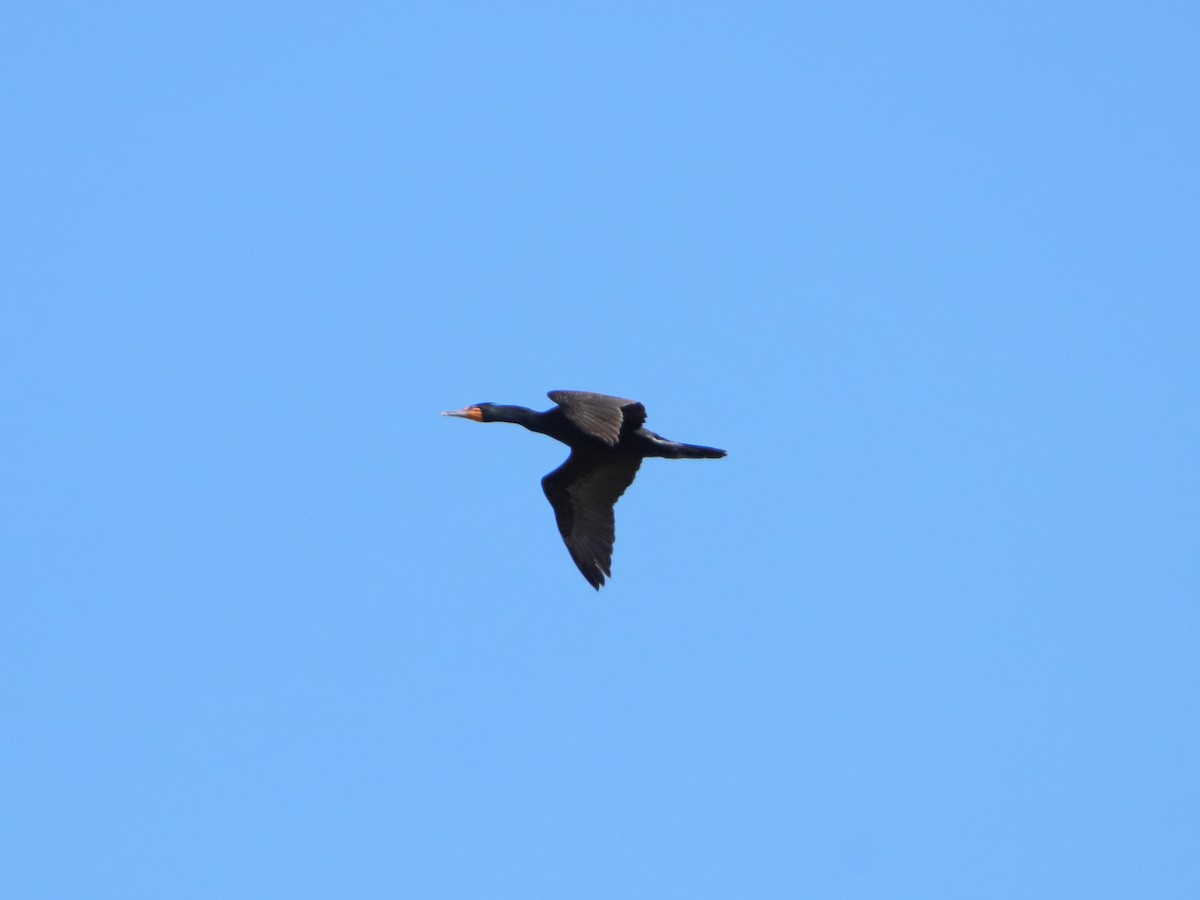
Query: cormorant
x=608, y=444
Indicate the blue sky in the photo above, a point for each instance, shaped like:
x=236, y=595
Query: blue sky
x=272, y=627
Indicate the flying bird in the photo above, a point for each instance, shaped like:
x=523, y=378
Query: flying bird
x=608, y=444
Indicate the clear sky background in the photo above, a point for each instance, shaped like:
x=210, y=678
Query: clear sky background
x=272, y=627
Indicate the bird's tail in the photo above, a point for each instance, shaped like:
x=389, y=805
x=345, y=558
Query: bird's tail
x=675, y=450
x=657, y=445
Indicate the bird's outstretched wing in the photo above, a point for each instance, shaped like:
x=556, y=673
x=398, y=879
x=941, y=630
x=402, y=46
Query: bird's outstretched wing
x=583, y=491
x=600, y=415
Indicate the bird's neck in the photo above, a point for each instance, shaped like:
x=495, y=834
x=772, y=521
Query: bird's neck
x=518, y=415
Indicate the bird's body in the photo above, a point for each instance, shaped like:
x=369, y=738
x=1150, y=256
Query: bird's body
x=608, y=443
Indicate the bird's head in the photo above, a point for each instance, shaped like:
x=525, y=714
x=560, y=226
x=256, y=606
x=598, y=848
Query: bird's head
x=477, y=412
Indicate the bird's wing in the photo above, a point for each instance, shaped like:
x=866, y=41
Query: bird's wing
x=583, y=491
x=600, y=415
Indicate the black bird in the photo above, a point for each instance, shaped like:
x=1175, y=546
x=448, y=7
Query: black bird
x=608, y=444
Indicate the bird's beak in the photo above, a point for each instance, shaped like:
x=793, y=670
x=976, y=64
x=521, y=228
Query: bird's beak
x=470, y=412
